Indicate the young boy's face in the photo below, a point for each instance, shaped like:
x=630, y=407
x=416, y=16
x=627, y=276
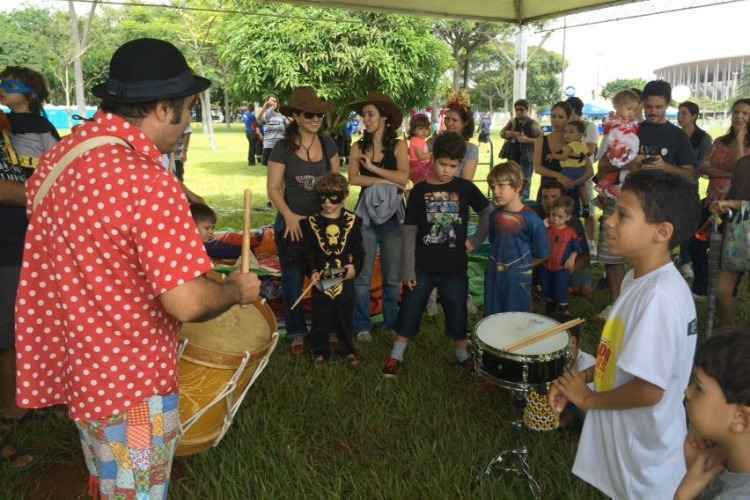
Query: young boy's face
x=206, y=230
x=505, y=193
x=710, y=414
x=331, y=201
x=445, y=169
x=628, y=232
x=571, y=134
x=559, y=217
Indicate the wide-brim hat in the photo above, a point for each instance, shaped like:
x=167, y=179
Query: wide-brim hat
x=146, y=70
x=384, y=103
x=305, y=100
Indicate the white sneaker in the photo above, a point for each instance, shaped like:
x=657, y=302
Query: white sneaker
x=700, y=298
x=687, y=271
x=432, y=304
x=604, y=315
x=364, y=336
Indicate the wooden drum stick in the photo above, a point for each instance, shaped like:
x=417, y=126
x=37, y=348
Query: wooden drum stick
x=544, y=334
x=302, y=295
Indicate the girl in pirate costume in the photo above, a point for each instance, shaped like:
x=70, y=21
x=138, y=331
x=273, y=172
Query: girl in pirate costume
x=333, y=256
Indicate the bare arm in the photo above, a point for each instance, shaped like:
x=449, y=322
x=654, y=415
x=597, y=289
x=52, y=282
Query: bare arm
x=275, y=188
x=202, y=299
x=12, y=193
x=355, y=176
x=399, y=176
x=586, y=176
x=539, y=167
x=470, y=169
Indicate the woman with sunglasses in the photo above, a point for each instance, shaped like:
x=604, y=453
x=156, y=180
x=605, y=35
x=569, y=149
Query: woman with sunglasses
x=379, y=162
x=296, y=162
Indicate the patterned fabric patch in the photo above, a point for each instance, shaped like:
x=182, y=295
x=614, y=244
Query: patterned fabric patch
x=139, y=436
x=141, y=460
x=131, y=457
x=158, y=425
x=138, y=415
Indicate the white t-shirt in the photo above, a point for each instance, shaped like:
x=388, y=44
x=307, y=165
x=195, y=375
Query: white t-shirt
x=650, y=334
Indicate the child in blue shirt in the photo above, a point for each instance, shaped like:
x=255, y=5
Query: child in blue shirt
x=518, y=240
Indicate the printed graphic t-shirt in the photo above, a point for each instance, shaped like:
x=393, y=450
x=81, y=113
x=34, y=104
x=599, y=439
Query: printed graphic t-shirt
x=650, y=334
x=441, y=214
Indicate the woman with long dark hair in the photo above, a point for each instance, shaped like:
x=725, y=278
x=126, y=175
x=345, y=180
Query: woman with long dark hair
x=459, y=118
x=295, y=163
x=379, y=162
x=548, y=149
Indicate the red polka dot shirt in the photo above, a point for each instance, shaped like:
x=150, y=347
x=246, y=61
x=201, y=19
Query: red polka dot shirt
x=111, y=236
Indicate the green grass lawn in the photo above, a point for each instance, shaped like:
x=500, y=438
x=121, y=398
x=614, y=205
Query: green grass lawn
x=331, y=432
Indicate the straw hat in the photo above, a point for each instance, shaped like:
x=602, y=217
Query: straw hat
x=305, y=100
x=384, y=103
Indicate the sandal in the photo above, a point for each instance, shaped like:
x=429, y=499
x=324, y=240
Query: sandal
x=353, y=360
x=16, y=459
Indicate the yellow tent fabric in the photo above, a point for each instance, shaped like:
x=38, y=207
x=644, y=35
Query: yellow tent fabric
x=513, y=11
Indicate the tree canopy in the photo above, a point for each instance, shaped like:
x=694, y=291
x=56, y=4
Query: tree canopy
x=615, y=86
x=343, y=55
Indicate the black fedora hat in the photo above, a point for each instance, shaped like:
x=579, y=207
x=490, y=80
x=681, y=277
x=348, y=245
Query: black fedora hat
x=147, y=69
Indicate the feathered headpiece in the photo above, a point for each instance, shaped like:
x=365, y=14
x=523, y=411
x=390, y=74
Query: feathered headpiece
x=459, y=99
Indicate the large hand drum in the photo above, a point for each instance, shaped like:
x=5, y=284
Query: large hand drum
x=220, y=361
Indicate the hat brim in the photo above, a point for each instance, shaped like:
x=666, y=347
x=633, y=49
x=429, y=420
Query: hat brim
x=196, y=86
x=387, y=109
x=322, y=107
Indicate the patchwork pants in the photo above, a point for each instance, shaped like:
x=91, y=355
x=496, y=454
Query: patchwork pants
x=129, y=456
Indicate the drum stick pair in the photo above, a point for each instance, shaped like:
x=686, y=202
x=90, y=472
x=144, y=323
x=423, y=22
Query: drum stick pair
x=544, y=334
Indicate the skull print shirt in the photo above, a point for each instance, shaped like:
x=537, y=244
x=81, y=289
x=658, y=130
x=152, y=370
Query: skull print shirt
x=330, y=245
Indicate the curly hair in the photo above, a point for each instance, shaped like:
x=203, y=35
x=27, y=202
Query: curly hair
x=724, y=357
x=331, y=182
x=449, y=145
x=33, y=79
x=467, y=116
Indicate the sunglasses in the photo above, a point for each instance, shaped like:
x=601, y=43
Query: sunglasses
x=311, y=116
x=334, y=197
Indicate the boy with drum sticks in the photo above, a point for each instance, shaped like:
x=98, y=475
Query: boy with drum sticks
x=433, y=249
x=632, y=440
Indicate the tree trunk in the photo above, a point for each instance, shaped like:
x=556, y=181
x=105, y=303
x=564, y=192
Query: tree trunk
x=208, y=127
x=67, y=95
x=227, y=118
x=457, y=76
x=77, y=66
x=466, y=72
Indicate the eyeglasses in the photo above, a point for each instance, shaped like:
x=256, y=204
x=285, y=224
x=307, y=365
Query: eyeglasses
x=334, y=197
x=311, y=116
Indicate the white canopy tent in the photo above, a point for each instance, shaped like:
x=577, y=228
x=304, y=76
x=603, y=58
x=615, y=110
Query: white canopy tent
x=520, y=12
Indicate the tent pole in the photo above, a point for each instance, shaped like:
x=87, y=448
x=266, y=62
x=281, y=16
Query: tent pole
x=519, y=73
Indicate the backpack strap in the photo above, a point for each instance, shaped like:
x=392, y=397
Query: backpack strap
x=68, y=158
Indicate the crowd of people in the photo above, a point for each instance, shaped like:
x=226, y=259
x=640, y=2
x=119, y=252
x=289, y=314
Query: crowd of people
x=105, y=254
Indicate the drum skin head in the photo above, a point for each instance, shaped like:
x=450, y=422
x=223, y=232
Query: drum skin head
x=228, y=333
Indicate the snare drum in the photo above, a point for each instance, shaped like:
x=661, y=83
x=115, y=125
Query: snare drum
x=532, y=367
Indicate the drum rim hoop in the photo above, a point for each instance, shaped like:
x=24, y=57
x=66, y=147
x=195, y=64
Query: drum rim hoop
x=510, y=355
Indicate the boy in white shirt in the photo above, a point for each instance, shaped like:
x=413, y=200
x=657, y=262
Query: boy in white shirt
x=631, y=443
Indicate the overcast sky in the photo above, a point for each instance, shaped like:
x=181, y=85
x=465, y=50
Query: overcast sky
x=629, y=48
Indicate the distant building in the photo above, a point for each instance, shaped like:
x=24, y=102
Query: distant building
x=715, y=79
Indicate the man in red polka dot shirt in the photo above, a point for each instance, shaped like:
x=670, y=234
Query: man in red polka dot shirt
x=112, y=265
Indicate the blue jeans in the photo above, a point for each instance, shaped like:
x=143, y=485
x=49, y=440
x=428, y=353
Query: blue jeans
x=452, y=288
x=555, y=286
x=528, y=171
x=292, y=279
x=387, y=236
